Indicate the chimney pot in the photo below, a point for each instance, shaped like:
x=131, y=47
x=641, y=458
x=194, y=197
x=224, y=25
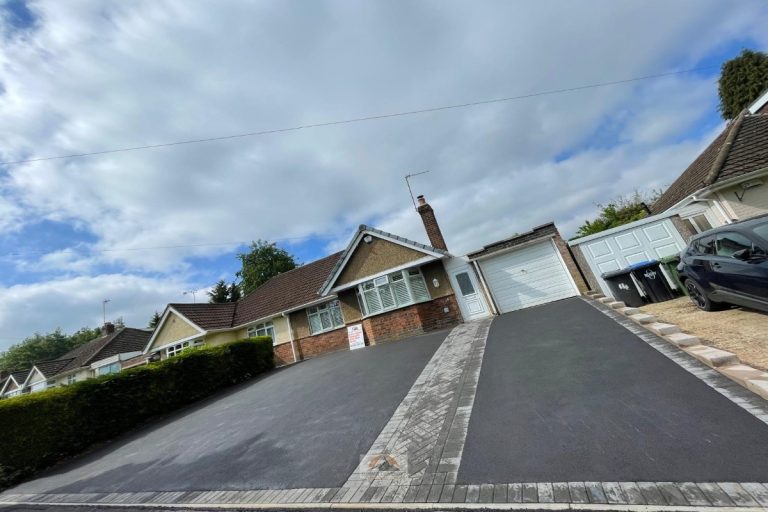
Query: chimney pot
x=421, y=200
x=108, y=328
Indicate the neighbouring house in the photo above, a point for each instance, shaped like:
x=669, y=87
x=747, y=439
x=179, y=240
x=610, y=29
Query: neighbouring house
x=101, y=356
x=14, y=384
x=392, y=287
x=727, y=182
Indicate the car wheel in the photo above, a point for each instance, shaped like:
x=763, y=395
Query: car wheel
x=699, y=297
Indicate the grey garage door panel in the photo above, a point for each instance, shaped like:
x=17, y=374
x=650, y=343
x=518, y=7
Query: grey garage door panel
x=567, y=394
x=303, y=426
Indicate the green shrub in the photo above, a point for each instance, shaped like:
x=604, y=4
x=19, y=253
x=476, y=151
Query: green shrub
x=40, y=429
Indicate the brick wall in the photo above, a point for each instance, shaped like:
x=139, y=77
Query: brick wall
x=283, y=354
x=330, y=341
x=571, y=265
x=412, y=320
x=401, y=323
x=581, y=260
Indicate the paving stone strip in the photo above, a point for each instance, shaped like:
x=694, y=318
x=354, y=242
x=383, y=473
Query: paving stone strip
x=423, y=442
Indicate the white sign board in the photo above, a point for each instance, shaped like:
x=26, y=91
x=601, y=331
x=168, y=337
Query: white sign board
x=356, y=337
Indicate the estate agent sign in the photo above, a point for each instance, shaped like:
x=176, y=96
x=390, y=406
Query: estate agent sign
x=356, y=337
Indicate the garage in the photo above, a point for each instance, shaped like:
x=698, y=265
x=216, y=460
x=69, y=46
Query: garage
x=526, y=270
x=647, y=239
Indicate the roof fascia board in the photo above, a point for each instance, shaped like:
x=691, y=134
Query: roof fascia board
x=352, y=247
x=168, y=310
x=513, y=248
x=705, y=193
x=653, y=218
x=759, y=103
x=415, y=263
x=5, y=384
x=31, y=372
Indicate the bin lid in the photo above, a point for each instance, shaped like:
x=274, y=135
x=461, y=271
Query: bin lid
x=614, y=273
x=643, y=264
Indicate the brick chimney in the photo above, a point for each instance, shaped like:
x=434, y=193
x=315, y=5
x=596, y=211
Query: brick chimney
x=107, y=328
x=430, y=224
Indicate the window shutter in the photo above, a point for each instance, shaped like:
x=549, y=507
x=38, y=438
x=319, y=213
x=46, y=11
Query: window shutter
x=418, y=287
x=387, y=298
x=372, y=301
x=401, y=292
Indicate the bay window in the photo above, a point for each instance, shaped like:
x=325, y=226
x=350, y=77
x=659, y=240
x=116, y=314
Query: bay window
x=265, y=329
x=108, y=369
x=178, y=348
x=392, y=291
x=325, y=317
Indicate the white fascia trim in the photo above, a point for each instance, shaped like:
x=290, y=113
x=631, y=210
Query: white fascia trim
x=415, y=263
x=321, y=300
x=114, y=359
x=706, y=192
x=175, y=342
x=353, y=246
x=161, y=323
x=653, y=218
x=5, y=384
x=514, y=248
x=29, y=375
x=758, y=103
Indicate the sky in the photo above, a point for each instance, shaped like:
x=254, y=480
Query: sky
x=142, y=227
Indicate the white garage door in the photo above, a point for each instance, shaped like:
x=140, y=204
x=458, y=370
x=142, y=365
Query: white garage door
x=633, y=243
x=527, y=277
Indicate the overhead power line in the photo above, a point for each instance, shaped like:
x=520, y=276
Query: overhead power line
x=361, y=119
x=160, y=247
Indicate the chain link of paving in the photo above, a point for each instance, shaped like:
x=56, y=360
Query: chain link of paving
x=422, y=443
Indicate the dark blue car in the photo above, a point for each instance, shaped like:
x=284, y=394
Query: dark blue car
x=728, y=265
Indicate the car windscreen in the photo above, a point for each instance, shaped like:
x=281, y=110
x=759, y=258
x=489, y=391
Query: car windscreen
x=761, y=230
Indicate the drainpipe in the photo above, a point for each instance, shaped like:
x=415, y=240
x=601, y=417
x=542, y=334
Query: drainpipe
x=487, y=290
x=290, y=333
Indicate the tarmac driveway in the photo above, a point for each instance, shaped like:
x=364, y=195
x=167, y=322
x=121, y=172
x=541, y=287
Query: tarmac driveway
x=566, y=394
x=303, y=426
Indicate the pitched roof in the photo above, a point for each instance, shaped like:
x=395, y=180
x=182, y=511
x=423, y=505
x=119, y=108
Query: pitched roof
x=741, y=148
x=286, y=291
x=362, y=229
x=127, y=339
x=208, y=316
x=51, y=368
x=281, y=293
x=20, y=376
x=540, y=232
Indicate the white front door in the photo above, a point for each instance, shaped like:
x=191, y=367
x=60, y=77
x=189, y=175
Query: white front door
x=469, y=294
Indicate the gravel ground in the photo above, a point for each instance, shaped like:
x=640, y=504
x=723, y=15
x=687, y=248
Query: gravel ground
x=741, y=331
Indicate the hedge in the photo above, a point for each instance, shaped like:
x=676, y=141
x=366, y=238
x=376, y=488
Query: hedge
x=40, y=429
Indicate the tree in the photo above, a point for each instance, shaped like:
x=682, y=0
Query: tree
x=621, y=210
x=41, y=347
x=742, y=80
x=263, y=262
x=219, y=294
x=234, y=292
x=154, y=320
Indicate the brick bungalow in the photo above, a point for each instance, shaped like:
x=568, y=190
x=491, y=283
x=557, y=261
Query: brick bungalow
x=391, y=286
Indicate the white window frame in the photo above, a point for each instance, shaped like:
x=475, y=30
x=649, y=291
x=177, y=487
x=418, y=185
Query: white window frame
x=178, y=348
x=385, y=281
x=264, y=329
x=110, y=369
x=316, y=312
x=71, y=378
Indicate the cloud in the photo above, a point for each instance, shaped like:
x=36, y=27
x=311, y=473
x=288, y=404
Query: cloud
x=72, y=303
x=90, y=76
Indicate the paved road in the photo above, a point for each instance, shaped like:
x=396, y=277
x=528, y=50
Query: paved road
x=567, y=394
x=304, y=426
